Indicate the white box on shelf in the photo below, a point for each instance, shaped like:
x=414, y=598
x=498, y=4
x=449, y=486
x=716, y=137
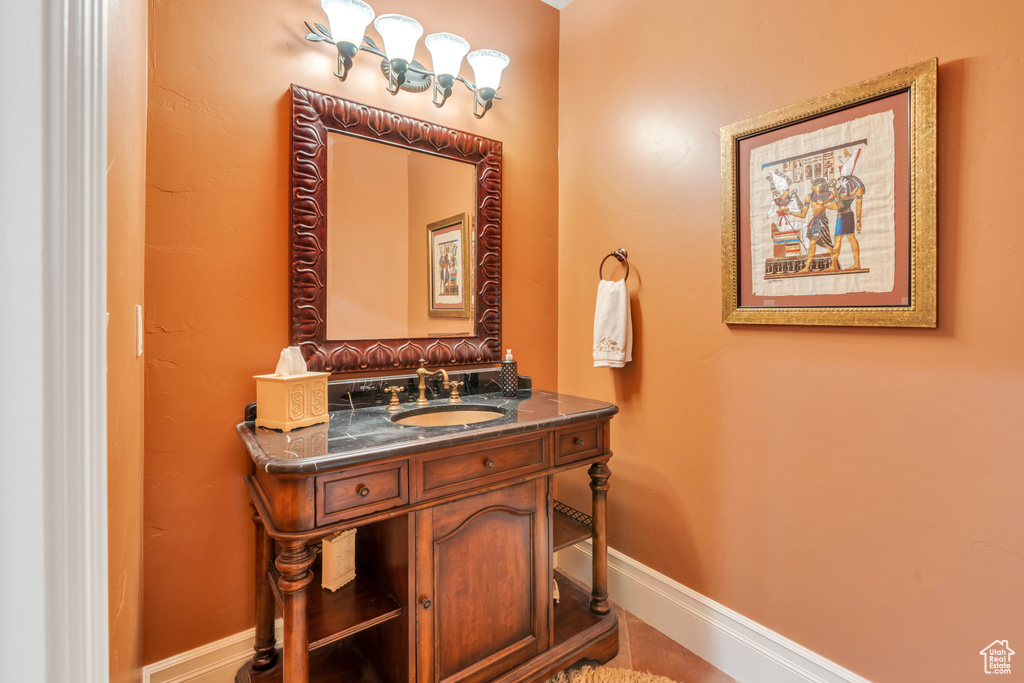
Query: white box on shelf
x=339, y=559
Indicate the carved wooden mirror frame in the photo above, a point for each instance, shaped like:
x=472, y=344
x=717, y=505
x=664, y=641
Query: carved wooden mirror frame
x=313, y=114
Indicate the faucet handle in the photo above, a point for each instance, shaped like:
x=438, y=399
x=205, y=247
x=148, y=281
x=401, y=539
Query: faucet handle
x=393, y=405
x=454, y=397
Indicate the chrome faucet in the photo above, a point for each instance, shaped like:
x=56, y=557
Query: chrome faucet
x=448, y=384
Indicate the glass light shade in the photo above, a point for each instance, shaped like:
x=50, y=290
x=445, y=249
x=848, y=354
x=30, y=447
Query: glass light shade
x=348, y=19
x=400, y=35
x=446, y=51
x=487, y=66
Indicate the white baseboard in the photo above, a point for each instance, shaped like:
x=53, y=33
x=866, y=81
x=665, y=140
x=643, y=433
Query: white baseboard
x=218, y=661
x=744, y=649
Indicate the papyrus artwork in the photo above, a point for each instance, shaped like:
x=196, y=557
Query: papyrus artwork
x=446, y=268
x=822, y=210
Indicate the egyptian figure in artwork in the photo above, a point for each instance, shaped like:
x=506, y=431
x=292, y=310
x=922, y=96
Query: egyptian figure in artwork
x=453, y=270
x=450, y=270
x=442, y=269
x=820, y=199
x=446, y=263
x=849, y=190
x=787, y=234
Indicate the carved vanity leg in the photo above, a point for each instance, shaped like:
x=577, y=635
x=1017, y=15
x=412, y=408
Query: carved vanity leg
x=599, y=474
x=266, y=655
x=293, y=563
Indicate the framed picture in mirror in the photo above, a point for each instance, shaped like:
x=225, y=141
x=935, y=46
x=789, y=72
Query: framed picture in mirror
x=449, y=247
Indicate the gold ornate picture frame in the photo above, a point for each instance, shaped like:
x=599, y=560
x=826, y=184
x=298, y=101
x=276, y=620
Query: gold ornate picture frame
x=829, y=208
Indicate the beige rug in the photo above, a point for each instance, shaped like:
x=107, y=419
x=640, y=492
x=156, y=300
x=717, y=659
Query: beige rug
x=604, y=674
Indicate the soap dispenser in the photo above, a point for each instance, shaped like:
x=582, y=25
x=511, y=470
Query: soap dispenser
x=509, y=376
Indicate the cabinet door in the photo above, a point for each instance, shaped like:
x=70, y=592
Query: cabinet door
x=483, y=584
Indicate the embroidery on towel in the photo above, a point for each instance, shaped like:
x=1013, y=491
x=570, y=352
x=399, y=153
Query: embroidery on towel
x=607, y=345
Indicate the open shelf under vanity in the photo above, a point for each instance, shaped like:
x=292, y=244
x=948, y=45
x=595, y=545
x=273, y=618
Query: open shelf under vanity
x=360, y=604
x=344, y=659
x=569, y=526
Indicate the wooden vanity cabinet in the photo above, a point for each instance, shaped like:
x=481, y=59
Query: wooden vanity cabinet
x=481, y=582
x=454, y=566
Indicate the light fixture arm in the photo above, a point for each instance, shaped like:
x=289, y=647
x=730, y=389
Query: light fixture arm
x=318, y=33
x=482, y=97
x=443, y=86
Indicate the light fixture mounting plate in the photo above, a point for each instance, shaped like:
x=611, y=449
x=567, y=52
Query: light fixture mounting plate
x=414, y=82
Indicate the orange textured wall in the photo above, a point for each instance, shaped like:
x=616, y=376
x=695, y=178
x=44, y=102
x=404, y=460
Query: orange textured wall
x=856, y=490
x=126, y=216
x=217, y=256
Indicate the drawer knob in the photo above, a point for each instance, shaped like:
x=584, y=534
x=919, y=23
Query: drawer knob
x=579, y=442
x=363, y=491
x=426, y=603
x=489, y=463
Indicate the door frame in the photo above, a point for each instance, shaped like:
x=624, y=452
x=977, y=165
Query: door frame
x=53, y=500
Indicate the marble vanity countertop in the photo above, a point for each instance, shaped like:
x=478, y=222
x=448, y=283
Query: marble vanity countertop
x=368, y=434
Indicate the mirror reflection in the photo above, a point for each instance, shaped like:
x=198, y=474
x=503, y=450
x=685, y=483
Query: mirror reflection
x=400, y=242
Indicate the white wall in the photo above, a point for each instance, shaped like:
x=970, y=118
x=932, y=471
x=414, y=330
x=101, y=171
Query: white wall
x=22, y=580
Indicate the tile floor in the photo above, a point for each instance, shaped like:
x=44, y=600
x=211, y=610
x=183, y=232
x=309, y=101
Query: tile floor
x=644, y=648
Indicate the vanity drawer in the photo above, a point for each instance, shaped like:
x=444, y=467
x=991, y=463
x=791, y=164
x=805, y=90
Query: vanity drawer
x=357, y=492
x=460, y=469
x=576, y=443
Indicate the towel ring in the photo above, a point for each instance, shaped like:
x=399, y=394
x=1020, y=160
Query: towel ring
x=620, y=256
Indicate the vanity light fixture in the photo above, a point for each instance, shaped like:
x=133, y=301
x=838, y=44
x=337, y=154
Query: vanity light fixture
x=487, y=67
x=348, y=20
x=446, y=52
x=400, y=35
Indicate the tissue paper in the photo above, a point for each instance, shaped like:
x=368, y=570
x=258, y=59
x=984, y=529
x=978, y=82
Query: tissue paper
x=291, y=362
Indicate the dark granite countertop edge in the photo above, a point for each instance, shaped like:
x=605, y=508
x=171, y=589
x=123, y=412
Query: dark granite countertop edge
x=416, y=445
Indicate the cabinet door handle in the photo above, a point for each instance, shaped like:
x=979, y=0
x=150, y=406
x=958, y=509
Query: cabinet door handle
x=489, y=463
x=426, y=603
x=579, y=442
x=363, y=491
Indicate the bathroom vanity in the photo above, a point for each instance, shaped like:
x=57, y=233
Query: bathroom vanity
x=456, y=530
x=456, y=525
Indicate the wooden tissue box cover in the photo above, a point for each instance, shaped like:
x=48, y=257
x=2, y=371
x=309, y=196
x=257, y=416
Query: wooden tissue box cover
x=287, y=403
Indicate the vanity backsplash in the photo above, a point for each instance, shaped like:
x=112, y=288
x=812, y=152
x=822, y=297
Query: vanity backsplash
x=347, y=394
x=369, y=391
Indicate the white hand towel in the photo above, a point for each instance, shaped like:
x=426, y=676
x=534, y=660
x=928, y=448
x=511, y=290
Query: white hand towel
x=613, y=326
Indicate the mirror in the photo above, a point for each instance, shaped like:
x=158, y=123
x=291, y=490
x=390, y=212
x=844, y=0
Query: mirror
x=395, y=239
x=399, y=242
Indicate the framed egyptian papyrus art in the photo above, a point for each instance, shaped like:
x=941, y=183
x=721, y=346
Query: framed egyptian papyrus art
x=828, y=208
